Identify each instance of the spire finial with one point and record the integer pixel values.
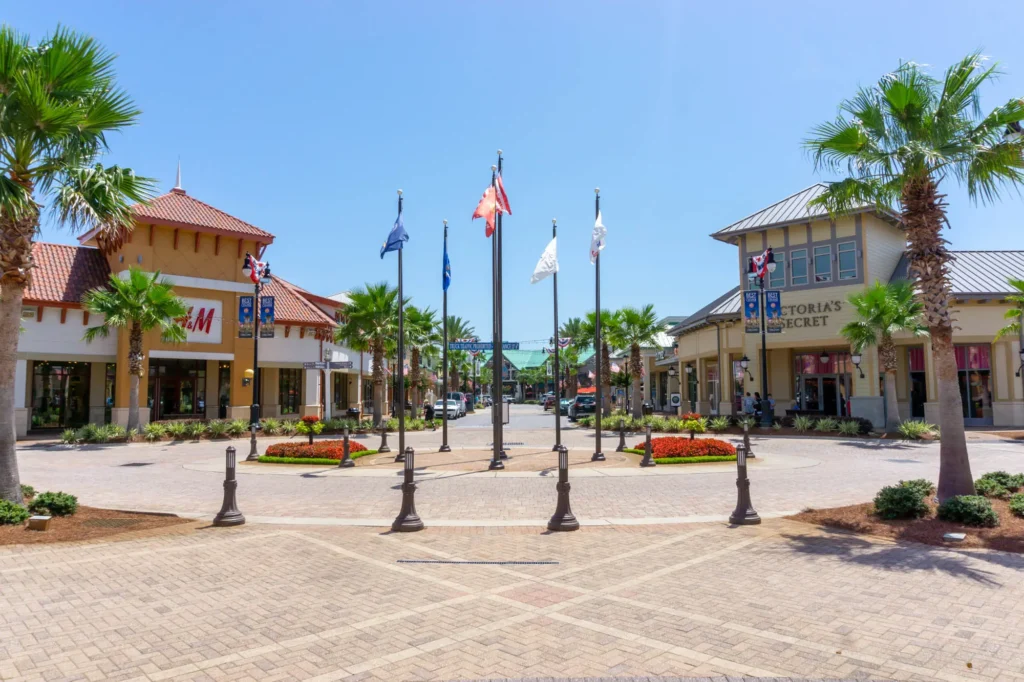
(177, 180)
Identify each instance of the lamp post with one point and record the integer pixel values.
(259, 273)
(689, 393)
(753, 274)
(672, 372)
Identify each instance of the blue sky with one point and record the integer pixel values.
(305, 117)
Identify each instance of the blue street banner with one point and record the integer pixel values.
(267, 317)
(751, 312)
(773, 311)
(481, 345)
(245, 317)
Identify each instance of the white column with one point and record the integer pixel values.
(311, 392)
(20, 392)
(329, 398)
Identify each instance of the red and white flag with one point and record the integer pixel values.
(590, 375)
(759, 264)
(503, 205)
(486, 208)
(255, 268)
(615, 368)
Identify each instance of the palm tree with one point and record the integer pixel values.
(881, 311)
(420, 332)
(604, 356)
(1014, 315)
(457, 359)
(58, 102)
(635, 328)
(138, 304)
(485, 376)
(897, 141)
(533, 376)
(570, 363)
(573, 329)
(371, 318)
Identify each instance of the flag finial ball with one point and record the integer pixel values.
(597, 190)
(554, 221)
(499, 152)
(445, 221)
(493, 168)
(399, 192)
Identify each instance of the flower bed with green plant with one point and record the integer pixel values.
(320, 452)
(47, 504)
(678, 450)
(696, 424)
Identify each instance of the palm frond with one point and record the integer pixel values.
(86, 198)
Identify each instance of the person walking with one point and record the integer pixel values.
(748, 404)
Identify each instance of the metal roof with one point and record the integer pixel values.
(725, 307)
(976, 273)
(792, 209)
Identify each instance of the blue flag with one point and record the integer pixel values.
(446, 276)
(396, 238)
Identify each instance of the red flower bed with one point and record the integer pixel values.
(689, 415)
(674, 446)
(324, 449)
(311, 419)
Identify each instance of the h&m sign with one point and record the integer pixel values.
(202, 321)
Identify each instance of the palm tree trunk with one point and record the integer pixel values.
(923, 217)
(134, 374)
(606, 380)
(378, 384)
(634, 367)
(887, 360)
(10, 323)
(414, 374)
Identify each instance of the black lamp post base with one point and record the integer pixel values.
(747, 517)
(648, 463)
(503, 455)
(445, 448)
(229, 514)
(563, 518)
(597, 457)
(555, 447)
(400, 457)
(253, 456)
(407, 521)
(383, 442)
(496, 465)
(232, 518)
(347, 463)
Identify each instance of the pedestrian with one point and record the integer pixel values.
(771, 404)
(748, 404)
(757, 403)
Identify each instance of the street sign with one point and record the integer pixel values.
(481, 345)
(319, 364)
(347, 364)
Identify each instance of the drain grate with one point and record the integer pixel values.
(506, 445)
(111, 523)
(478, 563)
(138, 464)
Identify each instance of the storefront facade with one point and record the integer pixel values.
(809, 364)
(64, 382)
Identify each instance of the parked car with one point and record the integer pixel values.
(548, 401)
(563, 406)
(486, 400)
(583, 404)
(452, 406)
(459, 397)
(508, 399)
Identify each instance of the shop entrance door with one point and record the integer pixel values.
(826, 394)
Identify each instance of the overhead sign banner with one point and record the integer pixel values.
(245, 317)
(481, 345)
(751, 312)
(316, 364)
(267, 317)
(773, 311)
(346, 364)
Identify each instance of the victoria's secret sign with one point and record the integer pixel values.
(809, 314)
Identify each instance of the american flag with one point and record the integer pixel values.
(759, 264)
(615, 368)
(564, 342)
(255, 268)
(503, 205)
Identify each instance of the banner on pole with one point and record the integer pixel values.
(245, 317)
(773, 311)
(267, 317)
(481, 345)
(751, 311)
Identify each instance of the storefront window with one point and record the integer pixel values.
(848, 260)
(798, 267)
(177, 388)
(60, 394)
(712, 387)
(973, 369)
(822, 387)
(367, 395)
(822, 263)
(223, 389)
(777, 279)
(341, 399)
(109, 387)
(918, 383)
(691, 389)
(289, 390)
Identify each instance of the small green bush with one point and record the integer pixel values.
(989, 487)
(586, 422)
(746, 422)
(69, 437)
(290, 427)
(719, 424)
(176, 430)
(849, 427)
(776, 426)
(673, 425)
(54, 504)
(826, 424)
(114, 432)
(271, 426)
(693, 426)
(802, 423)
(1012, 482)
(236, 427)
(970, 510)
(900, 502)
(12, 514)
(1017, 505)
(195, 430)
(217, 429)
(154, 431)
(923, 486)
(90, 433)
(916, 429)
(27, 491)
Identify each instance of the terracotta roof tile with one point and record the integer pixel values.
(64, 272)
(178, 208)
(290, 306)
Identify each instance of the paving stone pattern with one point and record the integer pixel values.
(327, 603)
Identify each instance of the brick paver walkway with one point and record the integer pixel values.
(319, 603)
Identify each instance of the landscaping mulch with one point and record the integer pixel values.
(89, 523)
(1008, 536)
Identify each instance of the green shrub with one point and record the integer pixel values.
(849, 427)
(154, 431)
(658, 424)
(923, 486)
(1017, 505)
(916, 429)
(586, 422)
(27, 491)
(236, 427)
(176, 430)
(391, 424)
(90, 433)
(719, 424)
(900, 502)
(217, 429)
(131, 435)
(746, 421)
(776, 426)
(54, 504)
(12, 514)
(826, 424)
(673, 425)
(195, 430)
(304, 428)
(114, 432)
(970, 510)
(989, 487)
(1012, 482)
(271, 426)
(289, 427)
(699, 425)
(69, 436)
(802, 423)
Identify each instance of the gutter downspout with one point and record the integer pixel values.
(721, 370)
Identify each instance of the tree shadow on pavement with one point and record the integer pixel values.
(903, 557)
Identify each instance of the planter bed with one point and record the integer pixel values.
(685, 460)
(323, 461)
(89, 523)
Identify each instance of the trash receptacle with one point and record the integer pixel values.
(353, 413)
(647, 409)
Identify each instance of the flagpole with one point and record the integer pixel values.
(501, 310)
(598, 456)
(558, 394)
(400, 398)
(444, 324)
(496, 356)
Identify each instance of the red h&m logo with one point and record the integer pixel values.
(202, 323)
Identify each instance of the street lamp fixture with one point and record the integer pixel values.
(756, 270)
(672, 372)
(259, 273)
(856, 357)
(689, 368)
(745, 363)
(823, 358)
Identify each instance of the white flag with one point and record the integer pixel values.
(548, 263)
(597, 241)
